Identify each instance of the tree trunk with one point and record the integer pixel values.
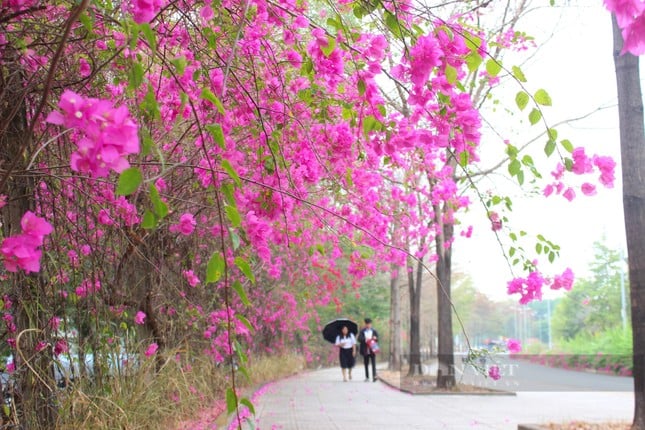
(414, 286)
(632, 149)
(395, 321)
(445, 350)
(35, 384)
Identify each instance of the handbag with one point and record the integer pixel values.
(373, 346)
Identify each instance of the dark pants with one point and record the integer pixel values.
(366, 360)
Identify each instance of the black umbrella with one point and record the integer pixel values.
(332, 328)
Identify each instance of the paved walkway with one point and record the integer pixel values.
(321, 401)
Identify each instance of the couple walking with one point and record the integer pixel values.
(367, 347)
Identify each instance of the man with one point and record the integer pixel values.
(366, 336)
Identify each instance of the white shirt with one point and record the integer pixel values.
(346, 342)
(368, 333)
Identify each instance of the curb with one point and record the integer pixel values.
(493, 392)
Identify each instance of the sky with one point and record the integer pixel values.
(574, 64)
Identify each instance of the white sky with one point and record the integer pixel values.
(576, 67)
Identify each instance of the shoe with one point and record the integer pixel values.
(374, 380)
(367, 379)
(344, 380)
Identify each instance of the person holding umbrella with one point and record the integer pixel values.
(342, 333)
(346, 343)
(368, 347)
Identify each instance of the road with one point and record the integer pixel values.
(320, 400)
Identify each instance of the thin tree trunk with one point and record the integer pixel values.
(632, 149)
(445, 350)
(414, 286)
(395, 321)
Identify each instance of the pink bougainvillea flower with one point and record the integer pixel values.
(192, 279)
(11, 367)
(151, 350)
(60, 347)
(588, 189)
(495, 221)
(139, 318)
(22, 251)
(107, 133)
(493, 373)
(186, 225)
(514, 346)
(565, 280)
(35, 227)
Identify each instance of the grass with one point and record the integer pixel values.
(178, 395)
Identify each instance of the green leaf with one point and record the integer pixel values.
(180, 64)
(473, 61)
(514, 167)
(464, 158)
(245, 268)
(149, 35)
(538, 248)
(361, 87)
(129, 181)
(549, 148)
(553, 133)
(511, 252)
(535, 116)
(331, 45)
(567, 145)
(542, 98)
(568, 164)
(235, 239)
(519, 75)
(245, 321)
(369, 123)
(451, 74)
(522, 99)
(87, 22)
(520, 177)
(229, 194)
(493, 67)
(215, 130)
(135, 76)
(239, 289)
(231, 400)
(215, 268)
(231, 172)
(146, 144)
(233, 215)
(160, 207)
(246, 402)
(149, 220)
(527, 160)
(551, 257)
(393, 24)
(150, 105)
(208, 95)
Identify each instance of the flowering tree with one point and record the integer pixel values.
(173, 167)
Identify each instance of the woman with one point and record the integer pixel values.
(347, 345)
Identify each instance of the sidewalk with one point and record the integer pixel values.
(320, 400)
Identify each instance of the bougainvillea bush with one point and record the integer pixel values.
(189, 174)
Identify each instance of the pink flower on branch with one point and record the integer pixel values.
(107, 133)
(151, 350)
(514, 346)
(139, 318)
(186, 225)
(22, 251)
(493, 373)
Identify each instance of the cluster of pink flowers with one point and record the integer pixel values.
(493, 373)
(186, 225)
(22, 251)
(630, 15)
(513, 345)
(582, 165)
(139, 318)
(18, 5)
(145, 10)
(530, 288)
(109, 134)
